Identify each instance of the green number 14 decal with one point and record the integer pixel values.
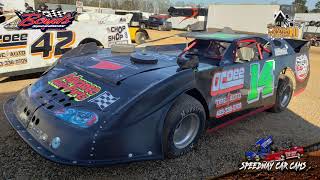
(261, 81)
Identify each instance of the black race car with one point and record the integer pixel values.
(97, 107)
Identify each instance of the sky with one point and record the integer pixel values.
(310, 3)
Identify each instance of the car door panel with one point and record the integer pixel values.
(239, 87)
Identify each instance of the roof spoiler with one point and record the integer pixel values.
(299, 46)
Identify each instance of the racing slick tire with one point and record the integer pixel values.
(184, 125)
(140, 37)
(284, 94)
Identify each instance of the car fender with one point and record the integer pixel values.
(148, 110)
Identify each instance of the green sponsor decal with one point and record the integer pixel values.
(261, 81)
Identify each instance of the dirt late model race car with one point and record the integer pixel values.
(98, 107)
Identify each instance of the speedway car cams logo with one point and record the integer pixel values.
(44, 20)
(265, 156)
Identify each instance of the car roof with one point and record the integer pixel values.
(220, 36)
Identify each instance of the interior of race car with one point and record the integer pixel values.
(252, 49)
(212, 50)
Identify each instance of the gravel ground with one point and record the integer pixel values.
(218, 153)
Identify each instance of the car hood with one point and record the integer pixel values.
(115, 68)
(94, 86)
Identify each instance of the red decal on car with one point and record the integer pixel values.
(107, 65)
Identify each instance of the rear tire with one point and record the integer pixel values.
(284, 94)
(98, 43)
(184, 125)
(140, 38)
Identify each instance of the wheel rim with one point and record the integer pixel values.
(186, 131)
(285, 96)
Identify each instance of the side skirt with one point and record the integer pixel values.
(215, 126)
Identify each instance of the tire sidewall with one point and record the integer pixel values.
(287, 84)
(172, 121)
(285, 81)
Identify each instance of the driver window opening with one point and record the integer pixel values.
(211, 51)
(251, 49)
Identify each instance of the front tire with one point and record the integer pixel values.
(284, 94)
(184, 125)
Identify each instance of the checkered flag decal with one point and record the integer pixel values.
(104, 100)
(52, 13)
(49, 13)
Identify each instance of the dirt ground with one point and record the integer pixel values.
(218, 153)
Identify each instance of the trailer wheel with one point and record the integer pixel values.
(284, 94)
(140, 38)
(184, 125)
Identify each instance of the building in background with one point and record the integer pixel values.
(251, 18)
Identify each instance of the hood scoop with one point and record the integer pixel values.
(143, 58)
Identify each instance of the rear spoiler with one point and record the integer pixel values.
(299, 46)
